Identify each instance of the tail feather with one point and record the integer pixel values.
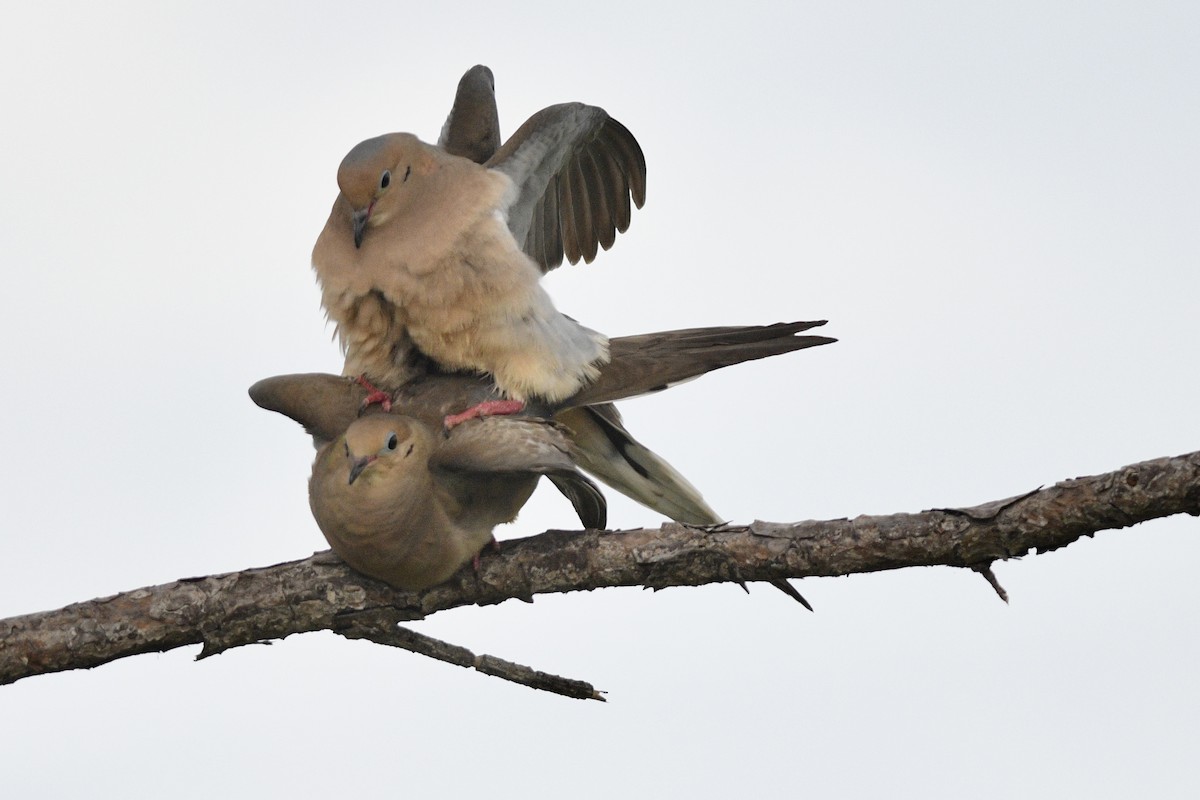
(607, 450)
(655, 361)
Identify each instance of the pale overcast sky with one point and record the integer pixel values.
(996, 205)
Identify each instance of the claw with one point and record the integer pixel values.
(488, 408)
(375, 396)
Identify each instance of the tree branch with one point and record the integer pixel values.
(322, 593)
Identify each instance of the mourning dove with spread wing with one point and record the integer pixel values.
(328, 407)
(594, 207)
(427, 253)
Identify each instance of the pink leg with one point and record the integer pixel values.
(488, 408)
(376, 395)
(495, 544)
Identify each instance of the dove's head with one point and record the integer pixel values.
(374, 175)
(385, 447)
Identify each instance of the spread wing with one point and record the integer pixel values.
(578, 173)
(324, 404)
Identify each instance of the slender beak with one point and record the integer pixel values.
(358, 465)
(360, 224)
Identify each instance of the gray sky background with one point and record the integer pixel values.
(995, 206)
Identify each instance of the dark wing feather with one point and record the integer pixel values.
(582, 168)
(585, 496)
(473, 128)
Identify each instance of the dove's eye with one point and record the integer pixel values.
(392, 443)
(385, 179)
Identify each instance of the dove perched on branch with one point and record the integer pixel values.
(432, 484)
(401, 502)
(427, 253)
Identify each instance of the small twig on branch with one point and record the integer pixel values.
(383, 631)
(990, 577)
(321, 593)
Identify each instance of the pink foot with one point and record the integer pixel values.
(488, 408)
(376, 395)
(495, 545)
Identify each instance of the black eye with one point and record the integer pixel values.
(392, 442)
(385, 179)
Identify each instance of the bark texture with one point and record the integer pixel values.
(322, 593)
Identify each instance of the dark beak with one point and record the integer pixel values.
(358, 465)
(360, 224)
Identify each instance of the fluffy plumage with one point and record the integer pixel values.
(428, 251)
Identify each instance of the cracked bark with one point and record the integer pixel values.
(322, 593)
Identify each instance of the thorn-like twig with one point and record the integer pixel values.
(792, 592)
(990, 577)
